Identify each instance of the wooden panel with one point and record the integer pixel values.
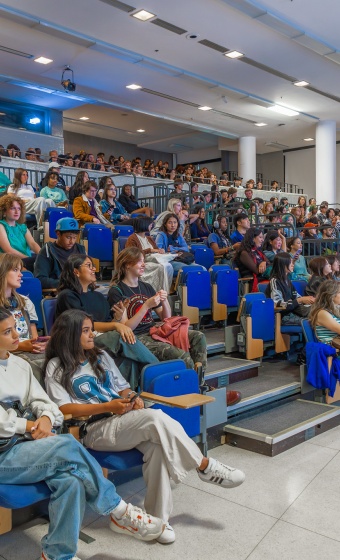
(219, 310)
(183, 401)
(282, 341)
(5, 520)
(254, 346)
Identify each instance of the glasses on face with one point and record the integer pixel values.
(90, 266)
(92, 191)
(112, 189)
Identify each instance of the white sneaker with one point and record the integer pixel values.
(138, 524)
(221, 475)
(44, 557)
(168, 536)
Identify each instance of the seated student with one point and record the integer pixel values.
(158, 274)
(76, 291)
(274, 243)
(247, 201)
(129, 202)
(53, 255)
(26, 192)
(140, 299)
(199, 229)
(249, 258)
(241, 224)
(77, 188)
(311, 248)
(300, 272)
(52, 192)
(329, 245)
(324, 315)
(167, 450)
(112, 208)
(15, 238)
(321, 271)
(86, 209)
(334, 261)
(178, 191)
(73, 476)
(174, 207)
(218, 240)
(281, 290)
(170, 240)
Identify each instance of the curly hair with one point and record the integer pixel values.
(248, 243)
(6, 202)
(324, 300)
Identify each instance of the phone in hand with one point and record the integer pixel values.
(134, 397)
(43, 338)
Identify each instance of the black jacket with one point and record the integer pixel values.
(47, 266)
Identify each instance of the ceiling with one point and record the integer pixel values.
(177, 58)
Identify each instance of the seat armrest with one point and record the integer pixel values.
(182, 401)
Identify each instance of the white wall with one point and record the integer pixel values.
(300, 170)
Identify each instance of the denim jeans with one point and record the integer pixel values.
(73, 477)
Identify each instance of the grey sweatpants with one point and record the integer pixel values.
(168, 451)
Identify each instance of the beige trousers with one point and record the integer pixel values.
(168, 451)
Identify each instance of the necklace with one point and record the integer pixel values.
(2, 361)
(141, 300)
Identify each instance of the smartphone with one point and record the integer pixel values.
(43, 338)
(134, 397)
(297, 254)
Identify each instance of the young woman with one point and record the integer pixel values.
(52, 192)
(174, 207)
(281, 290)
(76, 291)
(274, 243)
(218, 240)
(15, 238)
(199, 229)
(321, 271)
(170, 240)
(129, 202)
(157, 273)
(324, 315)
(300, 272)
(73, 476)
(302, 202)
(77, 188)
(112, 208)
(168, 451)
(86, 209)
(334, 261)
(311, 248)
(140, 299)
(249, 258)
(26, 192)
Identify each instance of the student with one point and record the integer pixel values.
(129, 202)
(273, 244)
(170, 240)
(218, 240)
(324, 315)
(321, 271)
(112, 208)
(52, 192)
(167, 450)
(174, 207)
(300, 272)
(26, 192)
(249, 258)
(199, 229)
(86, 209)
(140, 299)
(241, 224)
(334, 261)
(73, 476)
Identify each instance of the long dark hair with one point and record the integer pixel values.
(68, 280)
(271, 235)
(281, 263)
(201, 222)
(317, 265)
(142, 224)
(165, 221)
(247, 243)
(68, 327)
(131, 197)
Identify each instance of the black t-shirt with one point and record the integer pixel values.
(136, 296)
(93, 303)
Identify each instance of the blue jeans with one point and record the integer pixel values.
(73, 477)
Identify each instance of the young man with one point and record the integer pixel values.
(247, 202)
(54, 254)
(241, 224)
(178, 191)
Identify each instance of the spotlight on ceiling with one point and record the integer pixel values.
(308, 139)
(301, 83)
(205, 108)
(143, 15)
(133, 86)
(43, 60)
(283, 110)
(260, 124)
(233, 54)
(67, 79)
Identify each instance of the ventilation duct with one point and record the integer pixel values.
(17, 53)
(168, 26)
(119, 5)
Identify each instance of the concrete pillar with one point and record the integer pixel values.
(247, 158)
(325, 161)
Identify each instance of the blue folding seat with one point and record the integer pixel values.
(48, 309)
(31, 287)
(122, 230)
(52, 215)
(194, 288)
(225, 291)
(203, 255)
(300, 286)
(258, 322)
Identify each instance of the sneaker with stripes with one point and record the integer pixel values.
(221, 475)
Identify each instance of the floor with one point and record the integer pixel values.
(288, 508)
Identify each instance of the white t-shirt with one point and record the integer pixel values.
(20, 321)
(25, 191)
(145, 243)
(86, 387)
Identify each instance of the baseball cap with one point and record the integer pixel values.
(67, 224)
(53, 164)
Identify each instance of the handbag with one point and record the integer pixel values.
(335, 342)
(185, 257)
(22, 412)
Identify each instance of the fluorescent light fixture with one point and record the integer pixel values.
(43, 60)
(143, 15)
(205, 108)
(84, 118)
(2, 114)
(283, 110)
(35, 120)
(140, 130)
(260, 124)
(134, 86)
(233, 54)
(308, 139)
(302, 83)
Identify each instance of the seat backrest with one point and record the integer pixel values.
(121, 243)
(100, 244)
(48, 308)
(27, 274)
(203, 255)
(250, 299)
(308, 331)
(262, 286)
(31, 287)
(123, 230)
(199, 289)
(54, 217)
(227, 287)
(263, 319)
(300, 286)
(215, 268)
(151, 371)
(186, 269)
(87, 227)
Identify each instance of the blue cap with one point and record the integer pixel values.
(67, 224)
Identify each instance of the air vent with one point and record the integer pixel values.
(229, 115)
(17, 53)
(119, 5)
(213, 46)
(276, 145)
(168, 26)
(325, 94)
(267, 69)
(169, 97)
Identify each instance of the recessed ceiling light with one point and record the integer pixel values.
(233, 54)
(205, 108)
(283, 110)
(2, 114)
(84, 118)
(308, 139)
(140, 130)
(143, 15)
(260, 124)
(134, 86)
(43, 60)
(302, 83)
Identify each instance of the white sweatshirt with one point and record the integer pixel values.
(17, 383)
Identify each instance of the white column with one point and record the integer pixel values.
(247, 158)
(325, 161)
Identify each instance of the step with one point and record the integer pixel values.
(281, 427)
(223, 370)
(215, 340)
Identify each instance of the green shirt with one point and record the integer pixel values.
(16, 237)
(56, 194)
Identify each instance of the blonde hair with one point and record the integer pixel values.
(172, 202)
(324, 300)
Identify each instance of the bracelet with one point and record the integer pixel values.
(130, 393)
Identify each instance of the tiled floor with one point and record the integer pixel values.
(288, 508)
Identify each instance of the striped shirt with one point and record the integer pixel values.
(325, 335)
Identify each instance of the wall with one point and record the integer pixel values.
(300, 169)
(272, 167)
(75, 142)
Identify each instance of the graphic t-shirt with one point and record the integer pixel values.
(20, 321)
(133, 300)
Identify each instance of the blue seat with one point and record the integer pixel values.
(262, 286)
(48, 309)
(300, 286)
(27, 274)
(308, 331)
(52, 215)
(122, 230)
(100, 244)
(194, 288)
(203, 255)
(259, 324)
(225, 291)
(31, 287)
(118, 246)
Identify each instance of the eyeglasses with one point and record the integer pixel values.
(88, 265)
